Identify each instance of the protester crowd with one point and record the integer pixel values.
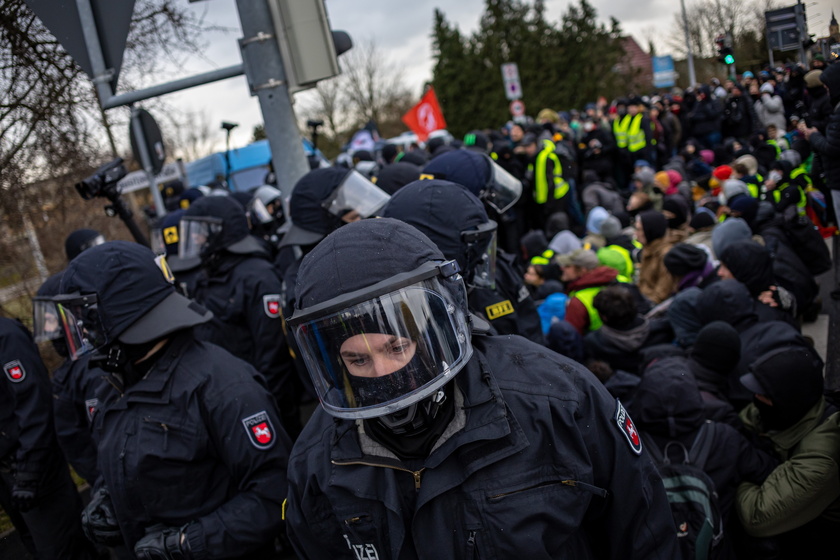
(650, 257)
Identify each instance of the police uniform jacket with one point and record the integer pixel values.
(197, 440)
(26, 418)
(244, 294)
(538, 466)
(509, 308)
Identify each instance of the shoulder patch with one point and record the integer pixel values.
(628, 428)
(260, 430)
(523, 293)
(91, 405)
(499, 309)
(14, 371)
(271, 306)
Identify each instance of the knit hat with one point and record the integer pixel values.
(610, 227)
(732, 187)
(595, 218)
(654, 225)
(767, 87)
(722, 172)
(717, 347)
(730, 231)
(564, 242)
(751, 264)
(683, 258)
(662, 180)
(645, 176)
(746, 206)
(702, 219)
(812, 79)
(679, 212)
(674, 177)
(708, 156)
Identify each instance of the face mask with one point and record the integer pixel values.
(775, 176)
(588, 127)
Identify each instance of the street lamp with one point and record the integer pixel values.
(228, 126)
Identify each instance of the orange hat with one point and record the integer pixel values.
(661, 178)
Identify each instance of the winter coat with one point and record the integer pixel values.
(655, 282)
(536, 466)
(828, 146)
(577, 313)
(620, 347)
(771, 110)
(800, 500)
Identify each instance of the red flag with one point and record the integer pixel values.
(425, 117)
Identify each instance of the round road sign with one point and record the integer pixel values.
(517, 108)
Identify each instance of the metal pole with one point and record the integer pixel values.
(267, 80)
(102, 76)
(692, 77)
(802, 28)
(146, 162)
(132, 97)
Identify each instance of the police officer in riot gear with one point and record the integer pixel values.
(435, 439)
(166, 238)
(191, 451)
(239, 285)
(36, 490)
(456, 221)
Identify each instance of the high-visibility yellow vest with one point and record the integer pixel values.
(620, 127)
(803, 200)
(543, 258)
(561, 187)
(635, 135)
(586, 297)
(755, 188)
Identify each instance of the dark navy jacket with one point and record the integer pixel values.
(539, 469)
(187, 444)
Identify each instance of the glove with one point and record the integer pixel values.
(99, 522)
(25, 490)
(163, 543)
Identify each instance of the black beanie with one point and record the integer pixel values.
(654, 225)
(717, 347)
(702, 220)
(683, 258)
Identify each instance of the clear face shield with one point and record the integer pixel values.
(355, 196)
(258, 214)
(45, 319)
(376, 356)
(481, 245)
(196, 233)
(502, 190)
(76, 318)
(156, 241)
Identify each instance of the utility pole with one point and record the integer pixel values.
(692, 77)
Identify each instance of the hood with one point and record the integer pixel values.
(598, 276)
(309, 193)
(750, 264)
(565, 242)
(728, 301)
(595, 218)
(667, 401)
(730, 231)
(397, 175)
(628, 340)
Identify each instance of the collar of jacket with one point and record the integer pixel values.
(786, 440)
(491, 434)
(155, 386)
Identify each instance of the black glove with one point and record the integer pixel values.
(163, 543)
(99, 522)
(25, 490)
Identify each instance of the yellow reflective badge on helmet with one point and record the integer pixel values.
(499, 309)
(426, 177)
(170, 235)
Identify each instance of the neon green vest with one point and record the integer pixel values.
(561, 187)
(620, 126)
(635, 134)
(586, 297)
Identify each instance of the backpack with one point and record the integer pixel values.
(691, 493)
(806, 240)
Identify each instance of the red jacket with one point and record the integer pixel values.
(576, 313)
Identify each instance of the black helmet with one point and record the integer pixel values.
(213, 224)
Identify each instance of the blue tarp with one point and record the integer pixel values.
(248, 166)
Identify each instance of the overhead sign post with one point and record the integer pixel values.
(510, 75)
(785, 29)
(663, 71)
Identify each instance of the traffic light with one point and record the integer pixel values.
(727, 56)
(724, 47)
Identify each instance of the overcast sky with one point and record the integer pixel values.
(403, 29)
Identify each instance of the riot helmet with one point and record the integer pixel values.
(480, 174)
(381, 322)
(455, 220)
(212, 225)
(81, 240)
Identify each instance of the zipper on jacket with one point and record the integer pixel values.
(574, 483)
(472, 549)
(418, 475)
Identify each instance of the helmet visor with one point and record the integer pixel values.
(81, 324)
(45, 319)
(257, 212)
(196, 233)
(156, 241)
(503, 189)
(382, 355)
(356, 194)
(481, 246)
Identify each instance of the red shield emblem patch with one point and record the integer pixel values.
(628, 428)
(91, 405)
(272, 307)
(14, 371)
(260, 430)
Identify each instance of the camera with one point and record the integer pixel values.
(103, 182)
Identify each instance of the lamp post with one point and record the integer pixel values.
(228, 126)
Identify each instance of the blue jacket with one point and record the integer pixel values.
(535, 466)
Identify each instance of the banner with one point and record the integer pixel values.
(425, 117)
